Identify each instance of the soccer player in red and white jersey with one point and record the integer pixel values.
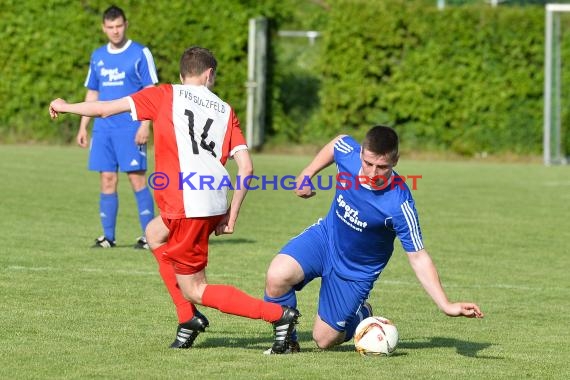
(194, 134)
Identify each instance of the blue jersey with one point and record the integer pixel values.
(119, 73)
(362, 223)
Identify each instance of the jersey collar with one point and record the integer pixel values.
(118, 51)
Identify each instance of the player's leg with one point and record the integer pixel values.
(326, 337)
(283, 274)
(231, 300)
(132, 160)
(226, 298)
(188, 251)
(102, 159)
(342, 305)
(190, 321)
(109, 204)
(157, 235)
(145, 204)
(302, 260)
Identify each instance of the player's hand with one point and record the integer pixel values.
(82, 138)
(142, 134)
(225, 226)
(304, 187)
(464, 309)
(56, 107)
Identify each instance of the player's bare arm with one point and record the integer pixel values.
(426, 273)
(82, 137)
(92, 109)
(144, 130)
(245, 169)
(323, 159)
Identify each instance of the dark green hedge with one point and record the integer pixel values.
(467, 79)
(45, 47)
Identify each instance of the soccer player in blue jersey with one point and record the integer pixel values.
(351, 245)
(118, 69)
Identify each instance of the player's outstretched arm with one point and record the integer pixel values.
(426, 273)
(323, 159)
(245, 169)
(93, 109)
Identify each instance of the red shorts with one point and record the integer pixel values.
(187, 244)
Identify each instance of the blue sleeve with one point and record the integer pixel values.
(146, 68)
(407, 226)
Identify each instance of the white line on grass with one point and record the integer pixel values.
(492, 286)
(89, 270)
(557, 183)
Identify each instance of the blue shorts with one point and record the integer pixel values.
(113, 151)
(339, 299)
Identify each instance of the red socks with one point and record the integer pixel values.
(225, 298)
(230, 300)
(184, 308)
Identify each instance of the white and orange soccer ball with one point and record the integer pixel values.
(376, 336)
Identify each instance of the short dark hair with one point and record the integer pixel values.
(195, 60)
(383, 141)
(113, 13)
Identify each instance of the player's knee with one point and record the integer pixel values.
(324, 342)
(138, 180)
(325, 336)
(271, 281)
(282, 275)
(156, 233)
(276, 284)
(108, 182)
(192, 295)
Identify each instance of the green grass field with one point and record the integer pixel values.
(498, 233)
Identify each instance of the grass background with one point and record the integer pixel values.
(498, 233)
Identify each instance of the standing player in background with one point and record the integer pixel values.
(117, 69)
(195, 133)
(351, 246)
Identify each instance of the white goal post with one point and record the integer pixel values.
(552, 139)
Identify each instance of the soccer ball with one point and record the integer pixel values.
(375, 336)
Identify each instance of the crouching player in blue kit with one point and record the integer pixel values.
(351, 246)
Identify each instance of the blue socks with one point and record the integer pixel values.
(145, 206)
(108, 208)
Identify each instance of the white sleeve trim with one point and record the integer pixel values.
(86, 83)
(342, 146)
(151, 66)
(412, 226)
(237, 149)
(133, 108)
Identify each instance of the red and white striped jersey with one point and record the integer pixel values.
(194, 134)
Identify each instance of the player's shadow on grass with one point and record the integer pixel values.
(216, 241)
(228, 240)
(464, 348)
